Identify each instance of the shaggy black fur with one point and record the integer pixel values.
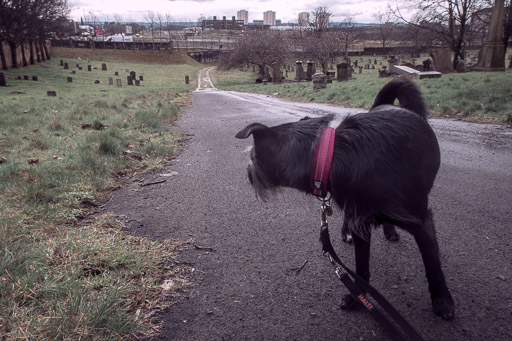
(384, 165)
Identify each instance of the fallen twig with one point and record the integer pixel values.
(153, 183)
(297, 270)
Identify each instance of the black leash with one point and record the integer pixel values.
(358, 286)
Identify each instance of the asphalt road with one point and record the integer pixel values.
(245, 284)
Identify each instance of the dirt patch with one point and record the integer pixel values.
(136, 56)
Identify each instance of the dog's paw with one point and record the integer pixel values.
(444, 308)
(349, 302)
(346, 237)
(391, 234)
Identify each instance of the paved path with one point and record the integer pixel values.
(246, 286)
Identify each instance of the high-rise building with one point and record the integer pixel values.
(269, 18)
(243, 15)
(303, 19)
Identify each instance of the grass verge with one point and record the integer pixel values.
(59, 157)
(471, 96)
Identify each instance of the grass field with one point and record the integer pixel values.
(61, 156)
(471, 96)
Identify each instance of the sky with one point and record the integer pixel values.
(362, 11)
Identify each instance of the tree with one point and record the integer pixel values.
(150, 19)
(347, 34)
(386, 26)
(260, 48)
(320, 19)
(448, 19)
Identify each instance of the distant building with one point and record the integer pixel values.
(303, 19)
(243, 15)
(269, 18)
(223, 24)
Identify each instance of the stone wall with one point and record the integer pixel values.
(8, 57)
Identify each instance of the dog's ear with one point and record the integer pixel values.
(305, 118)
(255, 128)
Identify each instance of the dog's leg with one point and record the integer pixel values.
(345, 233)
(362, 254)
(442, 302)
(390, 233)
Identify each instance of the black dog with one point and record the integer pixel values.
(384, 165)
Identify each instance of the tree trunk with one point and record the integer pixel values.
(45, 48)
(31, 43)
(23, 56)
(14, 54)
(43, 54)
(38, 53)
(2, 56)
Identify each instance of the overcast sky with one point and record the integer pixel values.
(362, 11)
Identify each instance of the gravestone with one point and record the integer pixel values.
(110, 80)
(342, 69)
(187, 79)
(25, 77)
(392, 61)
(129, 80)
(427, 65)
(309, 72)
(77, 65)
(34, 78)
(103, 67)
(73, 72)
(116, 73)
(276, 74)
(133, 74)
(141, 78)
(137, 82)
(355, 62)
(441, 58)
(80, 68)
(96, 81)
(89, 68)
(61, 62)
(460, 65)
(51, 93)
(360, 69)
(2, 79)
(298, 72)
(70, 79)
(66, 66)
(118, 82)
(319, 81)
(492, 53)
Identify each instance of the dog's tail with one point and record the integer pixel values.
(407, 93)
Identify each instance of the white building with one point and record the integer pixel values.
(269, 18)
(243, 15)
(303, 19)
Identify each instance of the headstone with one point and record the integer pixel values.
(133, 74)
(70, 79)
(187, 79)
(51, 93)
(61, 62)
(276, 74)
(25, 77)
(116, 73)
(137, 82)
(342, 69)
(392, 61)
(104, 67)
(2, 79)
(492, 53)
(298, 72)
(309, 72)
(96, 81)
(110, 80)
(141, 78)
(73, 72)
(118, 82)
(89, 68)
(319, 81)
(77, 65)
(129, 80)
(460, 65)
(80, 68)
(441, 58)
(66, 66)
(360, 69)
(34, 78)
(427, 65)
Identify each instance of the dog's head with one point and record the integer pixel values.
(282, 155)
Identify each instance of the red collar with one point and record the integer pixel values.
(324, 150)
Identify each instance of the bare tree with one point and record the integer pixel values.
(386, 26)
(260, 48)
(448, 19)
(150, 19)
(320, 19)
(347, 34)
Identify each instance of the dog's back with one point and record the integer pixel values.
(408, 94)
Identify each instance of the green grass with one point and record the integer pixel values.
(471, 96)
(62, 155)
